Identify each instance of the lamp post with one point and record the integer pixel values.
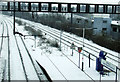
(83, 49)
(60, 38)
(119, 69)
(59, 22)
(79, 50)
(119, 54)
(83, 44)
(14, 19)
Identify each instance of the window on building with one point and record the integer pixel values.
(114, 29)
(104, 21)
(78, 21)
(101, 8)
(86, 21)
(104, 29)
(82, 8)
(119, 30)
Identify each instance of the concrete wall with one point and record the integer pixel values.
(99, 24)
(80, 20)
(115, 35)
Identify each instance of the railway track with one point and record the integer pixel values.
(21, 62)
(68, 43)
(51, 34)
(88, 46)
(5, 51)
(27, 61)
(8, 53)
(54, 35)
(5, 45)
(51, 61)
(111, 57)
(26, 77)
(57, 38)
(2, 60)
(1, 36)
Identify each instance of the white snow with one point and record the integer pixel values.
(116, 23)
(59, 65)
(2, 67)
(46, 28)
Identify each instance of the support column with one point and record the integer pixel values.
(119, 59)
(119, 70)
(14, 20)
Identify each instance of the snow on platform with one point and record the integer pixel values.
(57, 65)
(62, 63)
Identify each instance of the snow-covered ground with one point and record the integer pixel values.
(16, 68)
(74, 39)
(60, 65)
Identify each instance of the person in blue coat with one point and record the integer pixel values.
(102, 55)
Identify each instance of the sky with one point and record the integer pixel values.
(75, 1)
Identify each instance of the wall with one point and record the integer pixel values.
(99, 24)
(115, 35)
(83, 21)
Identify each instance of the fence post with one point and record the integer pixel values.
(89, 60)
(100, 77)
(72, 51)
(35, 40)
(116, 74)
(79, 61)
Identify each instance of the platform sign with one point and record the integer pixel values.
(79, 49)
(108, 65)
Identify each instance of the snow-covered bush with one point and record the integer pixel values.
(53, 43)
(19, 22)
(33, 31)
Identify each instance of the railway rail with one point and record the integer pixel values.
(56, 35)
(28, 8)
(96, 49)
(20, 54)
(8, 53)
(3, 54)
(70, 39)
(2, 37)
(52, 61)
(67, 39)
(22, 57)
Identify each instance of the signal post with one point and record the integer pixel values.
(79, 51)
